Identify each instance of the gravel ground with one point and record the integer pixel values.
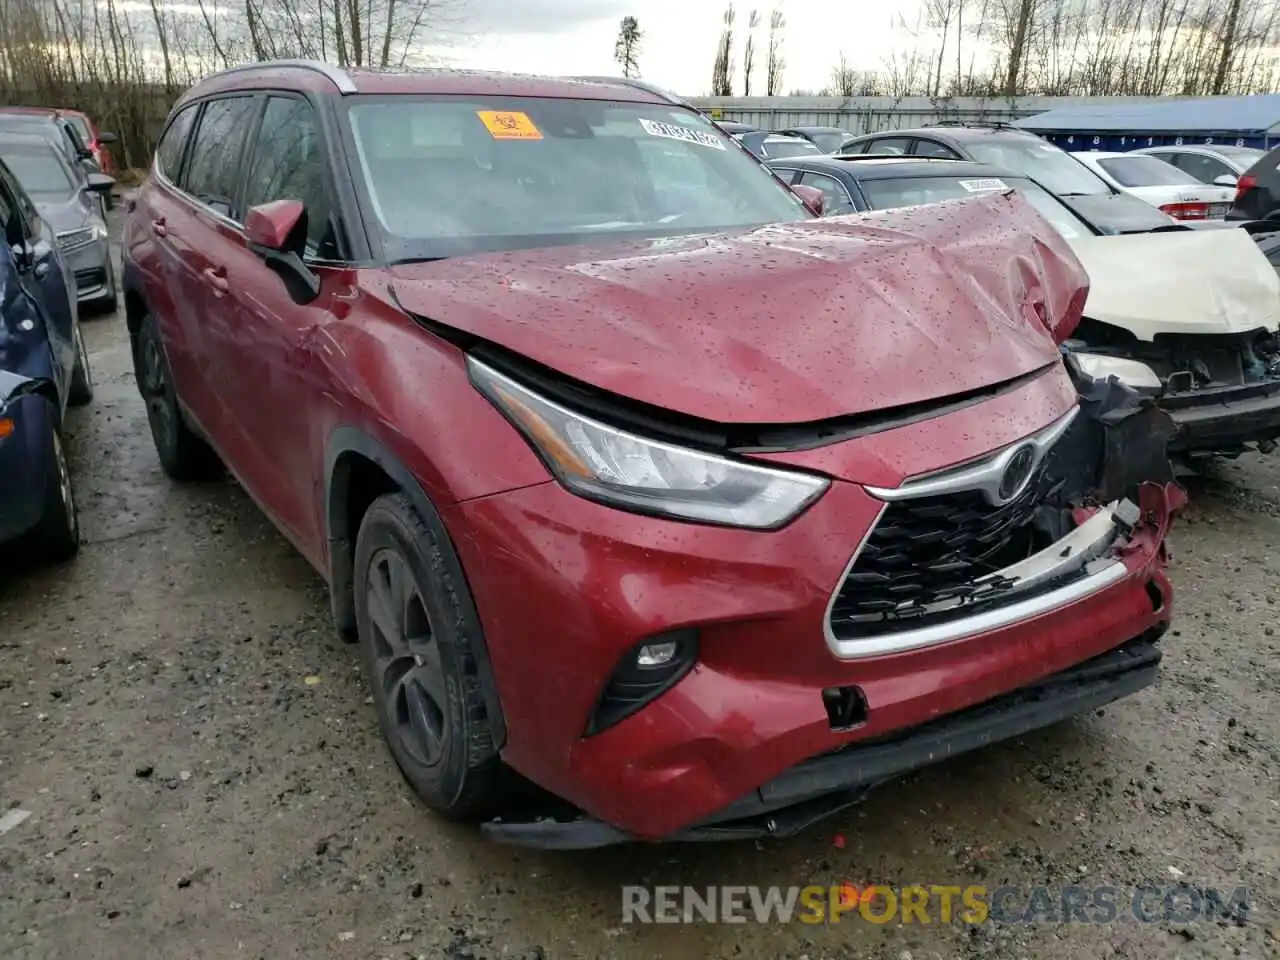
(204, 776)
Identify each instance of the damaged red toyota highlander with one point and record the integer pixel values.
(627, 473)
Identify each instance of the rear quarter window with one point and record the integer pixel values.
(169, 150)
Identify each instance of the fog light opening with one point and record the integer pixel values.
(846, 707)
(657, 654)
(645, 672)
(1155, 595)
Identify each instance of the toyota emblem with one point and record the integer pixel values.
(1016, 473)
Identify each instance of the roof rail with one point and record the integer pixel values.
(992, 124)
(336, 75)
(638, 85)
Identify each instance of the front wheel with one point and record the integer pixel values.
(420, 661)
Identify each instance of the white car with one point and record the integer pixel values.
(1160, 184)
(1219, 165)
(1189, 317)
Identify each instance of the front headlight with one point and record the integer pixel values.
(1132, 373)
(621, 469)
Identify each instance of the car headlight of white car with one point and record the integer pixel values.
(1132, 373)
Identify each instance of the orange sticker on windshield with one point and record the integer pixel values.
(509, 125)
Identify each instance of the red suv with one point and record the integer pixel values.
(626, 472)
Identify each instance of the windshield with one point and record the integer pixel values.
(775, 148)
(1144, 171)
(915, 191)
(40, 172)
(447, 176)
(1044, 163)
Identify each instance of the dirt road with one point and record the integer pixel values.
(204, 779)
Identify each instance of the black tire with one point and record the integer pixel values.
(81, 391)
(56, 537)
(183, 453)
(419, 657)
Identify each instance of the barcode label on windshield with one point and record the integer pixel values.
(983, 185)
(673, 131)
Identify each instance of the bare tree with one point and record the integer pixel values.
(722, 71)
(777, 63)
(123, 61)
(749, 52)
(627, 49)
(940, 14)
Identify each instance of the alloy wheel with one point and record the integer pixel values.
(155, 392)
(407, 663)
(65, 492)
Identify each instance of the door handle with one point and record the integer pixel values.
(41, 269)
(217, 277)
(158, 225)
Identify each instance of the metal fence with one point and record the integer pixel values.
(872, 114)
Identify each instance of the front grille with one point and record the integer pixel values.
(90, 277)
(928, 556)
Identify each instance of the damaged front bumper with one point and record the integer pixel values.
(1069, 628)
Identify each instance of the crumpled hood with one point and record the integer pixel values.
(1192, 281)
(786, 323)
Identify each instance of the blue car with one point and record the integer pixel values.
(44, 369)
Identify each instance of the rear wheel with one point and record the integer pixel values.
(183, 454)
(82, 376)
(56, 537)
(420, 659)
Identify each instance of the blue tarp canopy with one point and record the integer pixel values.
(1248, 121)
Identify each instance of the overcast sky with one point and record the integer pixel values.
(577, 36)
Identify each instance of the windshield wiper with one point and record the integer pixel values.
(407, 260)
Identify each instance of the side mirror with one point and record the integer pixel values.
(1226, 180)
(105, 137)
(100, 183)
(814, 200)
(277, 232)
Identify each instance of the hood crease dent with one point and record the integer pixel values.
(785, 323)
(1212, 281)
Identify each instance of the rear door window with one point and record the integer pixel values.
(894, 145)
(932, 148)
(213, 171)
(169, 152)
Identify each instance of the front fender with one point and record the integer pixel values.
(346, 446)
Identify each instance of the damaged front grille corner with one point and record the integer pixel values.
(1033, 527)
